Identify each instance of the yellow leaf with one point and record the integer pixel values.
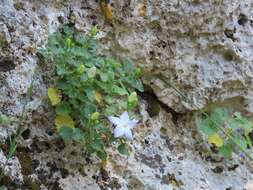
(106, 9)
(103, 164)
(142, 10)
(98, 97)
(65, 121)
(215, 139)
(54, 96)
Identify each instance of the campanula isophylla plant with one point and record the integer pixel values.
(89, 91)
(237, 127)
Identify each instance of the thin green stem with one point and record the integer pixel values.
(166, 81)
(13, 142)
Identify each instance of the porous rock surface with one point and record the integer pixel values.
(204, 48)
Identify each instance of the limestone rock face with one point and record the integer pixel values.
(204, 48)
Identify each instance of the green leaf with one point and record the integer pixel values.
(138, 72)
(233, 124)
(98, 97)
(238, 115)
(109, 99)
(91, 95)
(242, 122)
(68, 42)
(111, 75)
(63, 84)
(4, 120)
(132, 98)
(84, 77)
(61, 70)
(220, 115)
(134, 83)
(78, 51)
(92, 72)
(122, 148)
(78, 135)
(104, 77)
(119, 91)
(66, 133)
(12, 147)
(63, 108)
(138, 85)
(93, 31)
(111, 110)
(30, 89)
(3, 188)
(88, 110)
(97, 146)
(226, 151)
(95, 116)
(128, 67)
(102, 155)
(249, 142)
(122, 104)
(241, 141)
(207, 127)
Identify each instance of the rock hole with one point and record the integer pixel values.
(228, 55)
(251, 136)
(218, 169)
(26, 134)
(59, 143)
(35, 164)
(230, 34)
(49, 132)
(6, 64)
(104, 175)
(146, 141)
(64, 172)
(251, 23)
(60, 19)
(73, 153)
(242, 20)
(233, 167)
(19, 6)
(34, 146)
(25, 160)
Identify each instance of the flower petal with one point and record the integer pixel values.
(119, 131)
(115, 120)
(133, 123)
(124, 117)
(128, 134)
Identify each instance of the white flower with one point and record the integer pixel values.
(123, 125)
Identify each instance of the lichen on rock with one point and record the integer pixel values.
(204, 48)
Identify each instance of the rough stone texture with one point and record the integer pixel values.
(11, 167)
(203, 47)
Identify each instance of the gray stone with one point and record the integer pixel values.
(203, 48)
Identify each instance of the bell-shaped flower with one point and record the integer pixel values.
(123, 125)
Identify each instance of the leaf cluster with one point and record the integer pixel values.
(88, 88)
(4, 120)
(236, 127)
